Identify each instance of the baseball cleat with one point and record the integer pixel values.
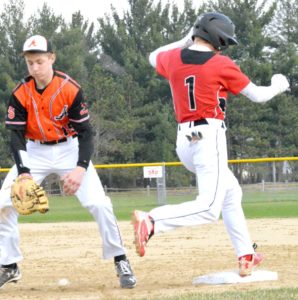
(125, 274)
(9, 275)
(248, 262)
(143, 230)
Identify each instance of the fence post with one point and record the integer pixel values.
(273, 172)
(161, 187)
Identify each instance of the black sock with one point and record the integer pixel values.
(119, 257)
(11, 266)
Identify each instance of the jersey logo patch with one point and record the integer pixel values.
(63, 114)
(84, 109)
(11, 113)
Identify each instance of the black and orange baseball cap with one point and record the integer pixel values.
(37, 44)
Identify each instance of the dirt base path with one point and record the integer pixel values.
(173, 259)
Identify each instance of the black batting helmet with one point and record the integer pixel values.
(215, 28)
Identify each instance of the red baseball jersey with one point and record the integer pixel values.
(200, 82)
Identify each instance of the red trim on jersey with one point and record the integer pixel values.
(198, 88)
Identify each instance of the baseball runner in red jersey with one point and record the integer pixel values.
(50, 133)
(200, 78)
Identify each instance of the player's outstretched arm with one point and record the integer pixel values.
(279, 84)
(185, 42)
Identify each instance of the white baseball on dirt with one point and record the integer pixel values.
(63, 282)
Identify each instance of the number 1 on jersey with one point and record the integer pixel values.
(190, 82)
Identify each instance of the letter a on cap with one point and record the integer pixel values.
(37, 43)
(32, 44)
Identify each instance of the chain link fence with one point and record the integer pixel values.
(273, 180)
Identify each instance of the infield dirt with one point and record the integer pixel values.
(73, 251)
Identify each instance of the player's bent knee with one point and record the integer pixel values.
(214, 216)
(100, 206)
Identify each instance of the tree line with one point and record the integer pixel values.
(131, 106)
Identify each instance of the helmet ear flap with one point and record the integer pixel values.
(196, 28)
(222, 42)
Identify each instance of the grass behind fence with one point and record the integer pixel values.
(255, 204)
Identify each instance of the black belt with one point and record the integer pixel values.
(53, 142)
(196, 123)
(200, 122)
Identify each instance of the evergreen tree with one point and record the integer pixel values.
(128, 40)
(284, 56)
(131, 105)
(12, 34)
(45, 22)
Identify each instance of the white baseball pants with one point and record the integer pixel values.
(60, 159)
(219, 190)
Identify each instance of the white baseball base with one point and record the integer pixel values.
(232, 276)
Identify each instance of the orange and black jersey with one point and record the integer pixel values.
(56, 112)
(47, 115)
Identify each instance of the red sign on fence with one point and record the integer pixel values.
(152, 172)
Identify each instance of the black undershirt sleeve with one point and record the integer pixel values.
(85, 137)
(18, 143)
(79, 120)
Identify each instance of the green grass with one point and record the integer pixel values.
(62, 209)
(255, 204)
(274, 209)
(270, 195)
(264, 294)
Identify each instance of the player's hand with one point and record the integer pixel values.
(72, 180)
(25, 176)
(280, 83)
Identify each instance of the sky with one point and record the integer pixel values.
(90, 9)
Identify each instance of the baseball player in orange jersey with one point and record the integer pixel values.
(200, 78)
(47, 110)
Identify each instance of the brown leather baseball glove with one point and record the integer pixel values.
(27, 196)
